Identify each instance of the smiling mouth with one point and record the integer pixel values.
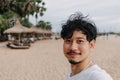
(73, 54)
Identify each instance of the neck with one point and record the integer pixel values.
(77, 68)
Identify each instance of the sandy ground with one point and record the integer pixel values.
(45, 60)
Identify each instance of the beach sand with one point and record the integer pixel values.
(45, 60)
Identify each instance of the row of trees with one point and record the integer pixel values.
(10, 10)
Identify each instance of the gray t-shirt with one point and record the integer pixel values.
(92, 73)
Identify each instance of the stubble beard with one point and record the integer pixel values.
(74, 62)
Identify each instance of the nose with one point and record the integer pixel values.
(74, 46)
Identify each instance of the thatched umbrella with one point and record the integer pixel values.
(34, 29)
(36, 32)
(18, 29)
(47, 31)
(40, 30)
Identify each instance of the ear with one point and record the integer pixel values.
(92, 44)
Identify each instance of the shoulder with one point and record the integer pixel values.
(99, 74)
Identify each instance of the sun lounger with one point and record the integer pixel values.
(17, 47)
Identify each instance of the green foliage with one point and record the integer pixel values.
(1, 19)
(4, 6)
(1, 22)
(48, 25)
(41, 24)
(8, 15)
(23, 7)
(26, 23)
(44, 25)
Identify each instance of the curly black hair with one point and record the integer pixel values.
(78, 22)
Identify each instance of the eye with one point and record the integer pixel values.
(80, 41)
(68, 41)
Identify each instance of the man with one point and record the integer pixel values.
(79, 35)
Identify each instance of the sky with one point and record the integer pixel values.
(105, 13)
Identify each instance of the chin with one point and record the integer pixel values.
(74, 62)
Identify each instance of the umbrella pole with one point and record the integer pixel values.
(19, 39)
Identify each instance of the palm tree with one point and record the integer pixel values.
(39, 9)
(41, 24)
(44, 25)
(23, 7)
(48, 26)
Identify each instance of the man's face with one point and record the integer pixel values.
(77, 48)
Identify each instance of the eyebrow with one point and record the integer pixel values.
(80, 38)
(77, 38)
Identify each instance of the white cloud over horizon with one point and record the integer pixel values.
(105, 13)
